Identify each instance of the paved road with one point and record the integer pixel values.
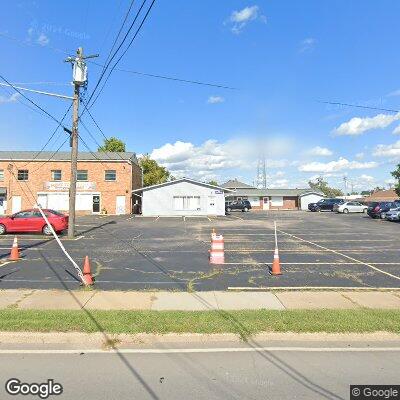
(276, 373)
(127, 253)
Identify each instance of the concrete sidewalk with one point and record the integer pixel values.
(198, 301)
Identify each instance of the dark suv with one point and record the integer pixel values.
(324, 205)
(378, 209)
(241, 205)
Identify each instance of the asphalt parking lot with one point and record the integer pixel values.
(136, 253)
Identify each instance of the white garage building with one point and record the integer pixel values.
(308, 198)
(182, 197)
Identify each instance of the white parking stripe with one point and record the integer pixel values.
(341, 254)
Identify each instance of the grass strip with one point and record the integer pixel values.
(245, 323)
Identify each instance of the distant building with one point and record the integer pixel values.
(381, 195)
(271, 199)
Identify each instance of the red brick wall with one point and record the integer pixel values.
(128, 177)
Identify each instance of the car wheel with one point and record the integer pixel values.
(2, 229)
(383, 215)
(318, 209)
(345, 211)
(365, 211)
(245, 209)
(46, 230)
(228, 209)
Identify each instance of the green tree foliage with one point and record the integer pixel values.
(112, 144)
(321, 185)
(153, 173)
(396, 175)
(212, 182)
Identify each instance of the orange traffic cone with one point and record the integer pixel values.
(276, 266)
(14, 256)
(87, 276)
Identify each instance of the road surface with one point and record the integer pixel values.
(277, 371)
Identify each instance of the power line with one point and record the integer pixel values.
(49, 139)
(127, 48)
(115, 53)
(31, 101)
(358, 106)
(170, 78)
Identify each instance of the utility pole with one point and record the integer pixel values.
(79, 76)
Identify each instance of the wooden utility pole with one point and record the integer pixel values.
(74, 163)
(79, 79)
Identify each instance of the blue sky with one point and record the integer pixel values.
(283, 56)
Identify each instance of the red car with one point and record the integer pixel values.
(32, 221)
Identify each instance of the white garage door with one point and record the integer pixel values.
(84, 202)
(56, 201)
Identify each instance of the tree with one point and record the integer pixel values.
(321, 185)
(212, 182)
(396, 175)
(112, 144)
(153, 173)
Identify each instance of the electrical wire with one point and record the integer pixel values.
(50, 138)
(358, 106)
(127, 48)
(170, 78)
(32, 102)
(115, 53)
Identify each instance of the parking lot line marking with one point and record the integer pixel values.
(157, 219)
(343, 255)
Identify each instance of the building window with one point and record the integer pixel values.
(276, 201)
(82, 175)
(1, 175)
(110, 175)
(56, 175)
(23, 174)
(186, 203)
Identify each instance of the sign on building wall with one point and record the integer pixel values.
(64, 186)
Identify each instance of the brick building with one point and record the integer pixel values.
(105, 181)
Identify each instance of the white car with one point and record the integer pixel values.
(351, 207)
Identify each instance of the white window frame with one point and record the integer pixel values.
(80, 171)
(187, 204)
(1, 175)
(53, 171)
(276, 201)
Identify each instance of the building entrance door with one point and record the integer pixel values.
(265, 203)
(3, 205)
(120, 205)
(96, 204)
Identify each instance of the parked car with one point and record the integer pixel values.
(324, 205)
(241, 205)
(32, 221)
(393, 215)
(350, 207)
(379, 209)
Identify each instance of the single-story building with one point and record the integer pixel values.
(182, 197)
(381, 195)
(271, 199)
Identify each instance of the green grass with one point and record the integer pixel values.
(244, 323)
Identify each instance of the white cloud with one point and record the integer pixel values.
(320, 151)
(279, 183)
(211, 158)
(43, 40)
(215, 99)
(360, 155)
(367, 178)
(239, 19)
(394, 93)
(333, 166)
(307, 45)
(396, 131)
(357, 126)
(387, 150)
(10, 99)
